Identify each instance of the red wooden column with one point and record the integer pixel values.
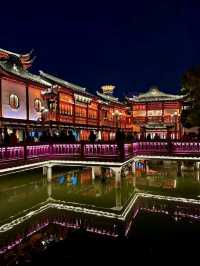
(58, 108)
(162, 112)
(179, 120)
(0, 96)
(74, 111)
(27, 102)
(99, 115)
(1, 137)
(87, 114)
(27, 117)
(114, 120)
(146, 107)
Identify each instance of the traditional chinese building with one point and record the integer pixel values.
(20, 94)
(156, 112)
(32, 103)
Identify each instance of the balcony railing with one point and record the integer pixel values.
(155, 119)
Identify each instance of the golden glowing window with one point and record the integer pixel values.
(38, 105)
(14, 101)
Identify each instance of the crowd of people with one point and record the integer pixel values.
(68, 137)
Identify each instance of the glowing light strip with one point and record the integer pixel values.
(23, 167)
(177, 214)
(131, 222)
(169, 198)
(68, 225)
(162, 157)
(58, 162)
(84, 210)
(10, 225)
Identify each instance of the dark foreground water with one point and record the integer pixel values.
(69, 218)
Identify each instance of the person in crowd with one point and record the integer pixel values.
(156, 137)
(142, 136)
(13, 138)
(92, 137)
(118, 135)
(6, 137)
(44, 137)
(27, 137)
(135, 136)
(55, 137)
(149, 137)
(36, 137)
(123, 135)
(168, 136)
(71, 137)
(63, 136)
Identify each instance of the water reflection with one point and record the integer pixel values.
(94, 186)
(180, 179)
(108, 190)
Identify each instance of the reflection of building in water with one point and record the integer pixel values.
(107, 172)
(156, 181)
(85, 176)
(169, 183)
(118, 197)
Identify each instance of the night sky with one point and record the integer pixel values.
(133, 46)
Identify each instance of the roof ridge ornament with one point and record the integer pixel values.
(154, 90)
(108, 89)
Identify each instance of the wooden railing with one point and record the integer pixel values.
(155, 119)
(172, 148)
(73, 151)
(97, 151)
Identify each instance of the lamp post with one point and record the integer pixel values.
(174, 118)
(116, 114)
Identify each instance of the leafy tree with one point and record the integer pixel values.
(191, 88)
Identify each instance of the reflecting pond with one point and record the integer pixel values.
(92, 189)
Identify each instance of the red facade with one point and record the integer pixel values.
(46, 102)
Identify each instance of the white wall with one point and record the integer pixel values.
(10, 87)
(34, 93)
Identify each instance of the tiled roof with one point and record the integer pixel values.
(17, 71)
(108, 98)
(64, 83)
(154, 94)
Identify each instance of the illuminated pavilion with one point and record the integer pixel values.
(156, 112)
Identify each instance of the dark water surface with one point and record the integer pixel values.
(153, 229)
